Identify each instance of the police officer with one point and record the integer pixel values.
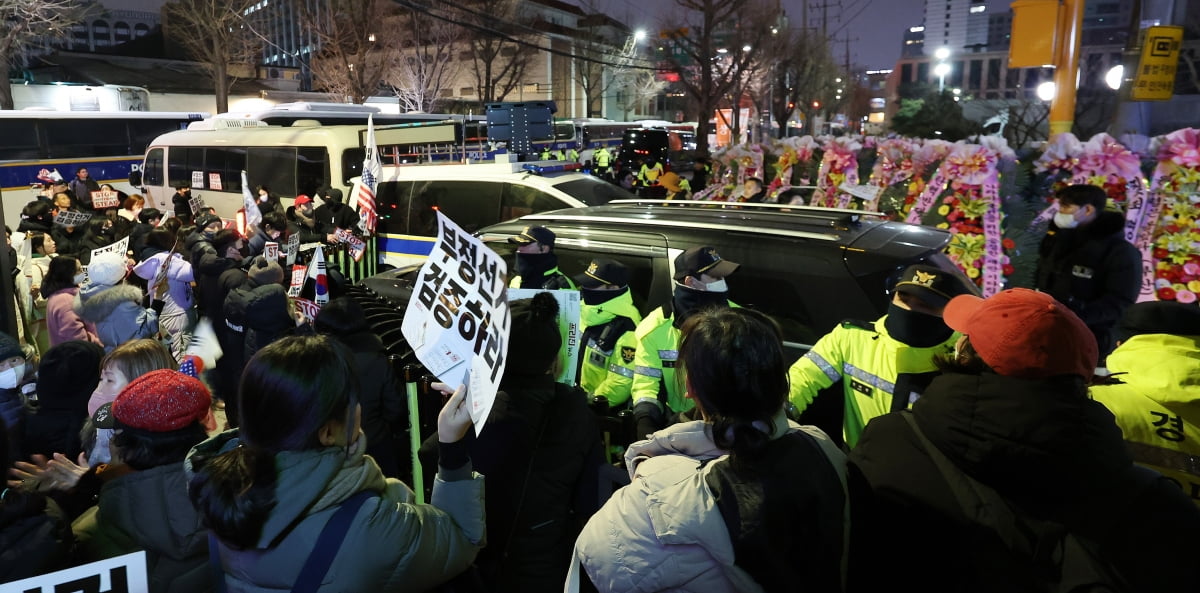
(545, 154)
(537, 264)
(648, 175)
(572, 155)
(885, 365)
(1155, 388)
(603, 160)
(607, 321)
(699, 283)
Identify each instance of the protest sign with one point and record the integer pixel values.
(122, 574)
(308, 308)
(214, 182)
(293, 248)
(197, 179)
(870, 193)
(568, 327)
(458, 319)
(271, 250)
(105, 199)
(119, 248)
(356, 245)
(299, 274)
(196, 203)
(70, 218)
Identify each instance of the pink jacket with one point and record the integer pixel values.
(63, 323)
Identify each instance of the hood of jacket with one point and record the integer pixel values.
(619, 306)
(1037, 440)
(306, 482)
(1164, 367)
(95, 302)
(152, 507)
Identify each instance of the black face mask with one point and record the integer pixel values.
(596, 296)
(245, 251)
(919, 330)
(532, 268)
(688, 301)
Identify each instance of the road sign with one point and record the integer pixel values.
(1155, 76)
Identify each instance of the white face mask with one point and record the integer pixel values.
(80, 278)
(718, 286)
(10, 377)
(1065, 221)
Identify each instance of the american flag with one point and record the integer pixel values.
(365, 193)
(250, 204)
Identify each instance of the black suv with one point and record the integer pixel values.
(808, 268)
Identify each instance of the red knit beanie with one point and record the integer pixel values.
(162, 401)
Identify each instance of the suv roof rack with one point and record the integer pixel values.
(836, 217)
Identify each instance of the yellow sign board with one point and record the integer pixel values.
(1155, 76)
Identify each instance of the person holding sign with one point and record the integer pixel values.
(739, 500)
(268, 490)
(607, 319)
(82, 187)
(172, 285)
(699, 284)
(113, 306)
(271, 229)
(182, 201)
(537, 264)
(540, 450)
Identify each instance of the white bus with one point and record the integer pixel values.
(39, 145)
(80, 97)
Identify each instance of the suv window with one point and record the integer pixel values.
(471, 204)
(518, 200)
(592, 191)
(573, 261)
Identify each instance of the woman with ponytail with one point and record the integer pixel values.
(267, 489)
(742, 500)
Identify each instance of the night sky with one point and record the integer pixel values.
(878, 26)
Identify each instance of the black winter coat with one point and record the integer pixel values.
(35, 537)
(384, 407)
(1043, 446)
(262, 313)
(1094, 271)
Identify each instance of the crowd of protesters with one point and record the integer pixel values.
(980, 449)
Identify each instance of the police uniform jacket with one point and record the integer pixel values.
(1094, 271)
(655, 359)
(870, 364)
(552, 280)
(1157, 404)
(1045, 448)
(609, 347)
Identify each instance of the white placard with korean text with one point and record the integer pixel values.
(197, 179)
(196, 204)
(568, 327)
(120, 248)
(122, 574)
(70, 218)
(293, 248)
(457, 320)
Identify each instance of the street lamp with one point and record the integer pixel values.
(1115, 75)
(1046, 91)
(943, 67)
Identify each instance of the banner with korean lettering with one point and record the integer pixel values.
(457, 321)
(120, 247)
(121, 574)
(568, 327)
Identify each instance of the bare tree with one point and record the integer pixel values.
(635, 88)
(498, 61)
(216, 35)
(425, 61)
(601, 57)
(709, 46)
(804, 78)
(358, 42)
(26, 22)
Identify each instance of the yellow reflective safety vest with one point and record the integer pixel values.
(601, 157)
(649, 175)
(610, 347)
(869, 363)
(655, 360)
(1157, 405)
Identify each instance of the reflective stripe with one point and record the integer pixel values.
(823, 365)
(620, 370)
(868, 378)
(648, 372)
(668, 354)
(1164, 457)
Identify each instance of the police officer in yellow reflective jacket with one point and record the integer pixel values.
(601, 157)
(885, 365)
(607, 321)
(537, 264)
(699, 283)
(1154, 389)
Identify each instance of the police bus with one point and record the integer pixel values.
(39, 146)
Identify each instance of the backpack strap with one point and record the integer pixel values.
(319, 560)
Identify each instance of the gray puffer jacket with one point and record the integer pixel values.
(117, 313)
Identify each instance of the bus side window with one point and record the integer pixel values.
(312, 169)
(228, 163)
(152, 172)
(20, 140)
(181, 162)
(274, 167)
